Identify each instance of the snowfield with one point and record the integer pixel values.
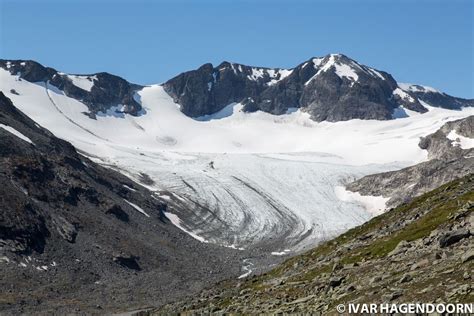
(241, 179)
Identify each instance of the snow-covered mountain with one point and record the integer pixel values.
(330, 88)
(245, 157)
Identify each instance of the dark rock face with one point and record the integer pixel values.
(208, 89)
(66, 227)
(453, 237)
(130, 262)
(118, 213)
(448, 161)
(331, 88)
(108, 92)
(330, 97)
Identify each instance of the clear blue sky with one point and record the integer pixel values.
(426, 42)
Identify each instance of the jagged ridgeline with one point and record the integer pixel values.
(330, 88)
(421, 251)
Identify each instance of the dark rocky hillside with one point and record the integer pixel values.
(71, 239)
(447, 161)
(421, 251)
(330, 88)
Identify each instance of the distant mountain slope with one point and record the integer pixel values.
(330, 88)
(100, 92)
(419, 252)
(450, 153)
(75, 236)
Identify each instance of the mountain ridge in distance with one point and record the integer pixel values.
(330, 88)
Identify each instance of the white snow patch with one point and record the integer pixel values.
(164, 197)
(233, 247)
(176, 221)
(275, 75)
(138, 208)
(461, 141)
(84, 82)
(373, 204)
(225, 112)
(403, 95)
(376, 73)
(278, 75)
(343, 70)
(16, 133)
(247, 267)
(257, 73)
(317, 61)
(417, 88)
(128, 188)
(281, 253)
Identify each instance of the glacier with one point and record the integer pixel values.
(240, 180)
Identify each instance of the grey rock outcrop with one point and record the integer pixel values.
(447, 161)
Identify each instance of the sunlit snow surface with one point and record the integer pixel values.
(243, 179)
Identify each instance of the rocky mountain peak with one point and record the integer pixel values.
(330, 88)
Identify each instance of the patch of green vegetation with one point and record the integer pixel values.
(313, 273)
(225, 302)
(420, 228)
